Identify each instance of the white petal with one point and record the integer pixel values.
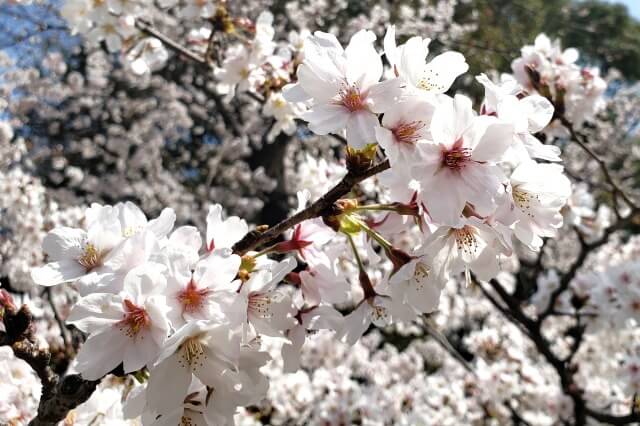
(168, 385)
(64, 243)
(442, 71)
(326, 118)
(539, 112)
(101, 353)
(54, 273)
(163, 224)
(492, 145)
(361, 129)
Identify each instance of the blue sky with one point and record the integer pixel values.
(632, 5)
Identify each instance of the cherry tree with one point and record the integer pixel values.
(445, 263)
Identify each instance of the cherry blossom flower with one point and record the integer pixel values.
(260, 306)
(128, 328)
(459, 167)
(201, 348)
(75, 253)
(343, 85)
(469, 246)
(408, 62)
(197, 295)
(538, 192)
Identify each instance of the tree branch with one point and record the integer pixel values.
(149, 29)
(601, 163)
(255, 238)
(59, 395)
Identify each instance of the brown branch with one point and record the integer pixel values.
(149, 29)
(59, 395)
(321, 206)
(563, 368)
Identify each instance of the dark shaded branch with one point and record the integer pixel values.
(255, 238)
(563, 368)
(59, 395)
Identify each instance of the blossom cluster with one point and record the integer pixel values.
(190, 314)
(546, 69)
(206, 328)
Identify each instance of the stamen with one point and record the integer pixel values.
(523, 199)
(192, 353)
(135, 319)
(429, 82)
(456, 157)
(260, 304)
(192, 298)
(421, 272)
(91, 257)
(350, 97)
(407, 133)
(466, 240)
(379, 313)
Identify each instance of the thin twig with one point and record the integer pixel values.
(601, 163)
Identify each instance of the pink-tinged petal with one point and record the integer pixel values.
(486, 266)
(323, 317)
(327, 118)
(383, 96)
(64, 243)
(390, 47)
(320, 83)
(216, 271)
(223, 233)
(168, 384)
(385, 138)
(295, 93)
(539, 112)
(54, 273)
(443, 197)
(131, 217)
(210, 372)
(361, 127)
(186, 236)
(316, 231)
(482, 187)
(144, 280)
(323, 41)
(494, 142)
(463, 115)
(363, 63)
(509, 109)
(310, 288)
(443, 123)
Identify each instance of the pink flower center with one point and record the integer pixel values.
(351, 98)
(457, 157)
(135, 319)
(192, 298)
(408, 133)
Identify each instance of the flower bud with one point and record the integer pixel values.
(360, 160)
